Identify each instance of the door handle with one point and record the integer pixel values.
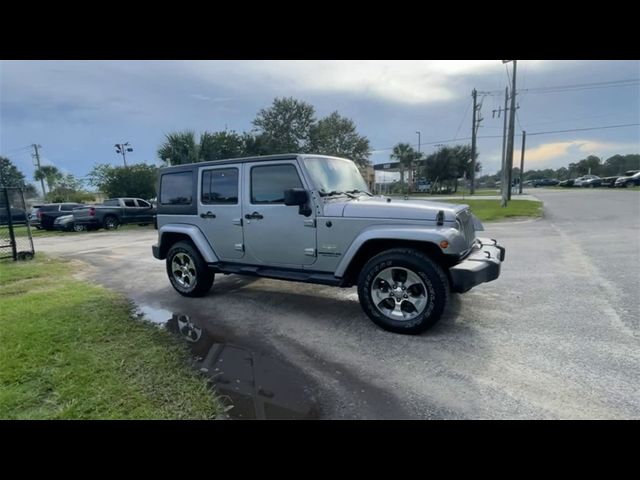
(254, 215)
(207, 215)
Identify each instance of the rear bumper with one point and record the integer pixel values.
(481, 266)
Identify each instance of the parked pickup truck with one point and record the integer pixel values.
(115, 212)
(311, 218)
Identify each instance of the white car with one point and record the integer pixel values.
(578, 181)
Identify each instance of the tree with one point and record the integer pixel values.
(286, 125)
(450, 163)
(138, 180)
(618, 164)
(50, 174)
(406, 155)
(69, 189)
(220, 145)
(10, 176)
(337, 136)
(179, 148)
(255, 145)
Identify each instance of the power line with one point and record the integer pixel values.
(589, 128)
(463, 118)
(16, 149)
(573, 87)
(517, 134)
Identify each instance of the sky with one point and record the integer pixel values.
(77, 110)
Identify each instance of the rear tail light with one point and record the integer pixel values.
(92, 211)
(39, 215)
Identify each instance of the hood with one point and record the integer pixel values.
(385, 207)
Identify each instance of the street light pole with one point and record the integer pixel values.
(122, 148)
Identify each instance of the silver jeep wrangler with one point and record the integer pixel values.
(311, 218)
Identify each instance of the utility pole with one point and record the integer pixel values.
(36, 155)
(503, 175)
(474, 94)
(418, 159)
(512, 120)
(524, 139)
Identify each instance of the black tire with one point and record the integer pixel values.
(110, 222)
(78, 228)
(202, 276)
(432, 275)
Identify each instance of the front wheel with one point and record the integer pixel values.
(188, 272)
(403, 290)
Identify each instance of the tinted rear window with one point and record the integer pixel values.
(50, 208)
(176, 188)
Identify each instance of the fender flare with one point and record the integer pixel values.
(195, 234)
(434, 235)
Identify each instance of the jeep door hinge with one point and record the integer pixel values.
(311, 252)
(310, 223)
(239, 247)
(237, 221)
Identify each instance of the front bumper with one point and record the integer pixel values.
(480, 266)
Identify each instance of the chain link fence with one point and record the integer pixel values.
(15, 231)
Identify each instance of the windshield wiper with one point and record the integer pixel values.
(335, 192)
(359, 191)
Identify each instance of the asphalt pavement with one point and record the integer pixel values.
(556, 336)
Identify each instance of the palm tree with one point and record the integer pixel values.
(179, 148)
(406, 155)
(49, 174)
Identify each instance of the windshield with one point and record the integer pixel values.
(335, 175)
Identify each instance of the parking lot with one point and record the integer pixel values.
(556, 336)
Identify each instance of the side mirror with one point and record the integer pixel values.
(300, 197)
(295, 196)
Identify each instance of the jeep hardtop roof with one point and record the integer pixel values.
(262, 158)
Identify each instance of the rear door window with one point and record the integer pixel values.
(220, 187)
(129, 202)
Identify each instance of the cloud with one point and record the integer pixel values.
(400, 81)
(548, 152)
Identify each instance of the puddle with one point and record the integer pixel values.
(255, 385)
(155, 315)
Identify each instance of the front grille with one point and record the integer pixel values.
(465, 220)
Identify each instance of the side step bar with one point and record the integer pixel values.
(278, 274)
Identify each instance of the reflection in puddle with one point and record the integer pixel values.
(155, 315)
(255, 385)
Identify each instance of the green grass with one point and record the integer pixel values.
(490, 210)
(71, 350)
(460, 192)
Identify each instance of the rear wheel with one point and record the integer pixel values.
(403, 290)
(188, 272)
(79, 228)
(111, 222)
